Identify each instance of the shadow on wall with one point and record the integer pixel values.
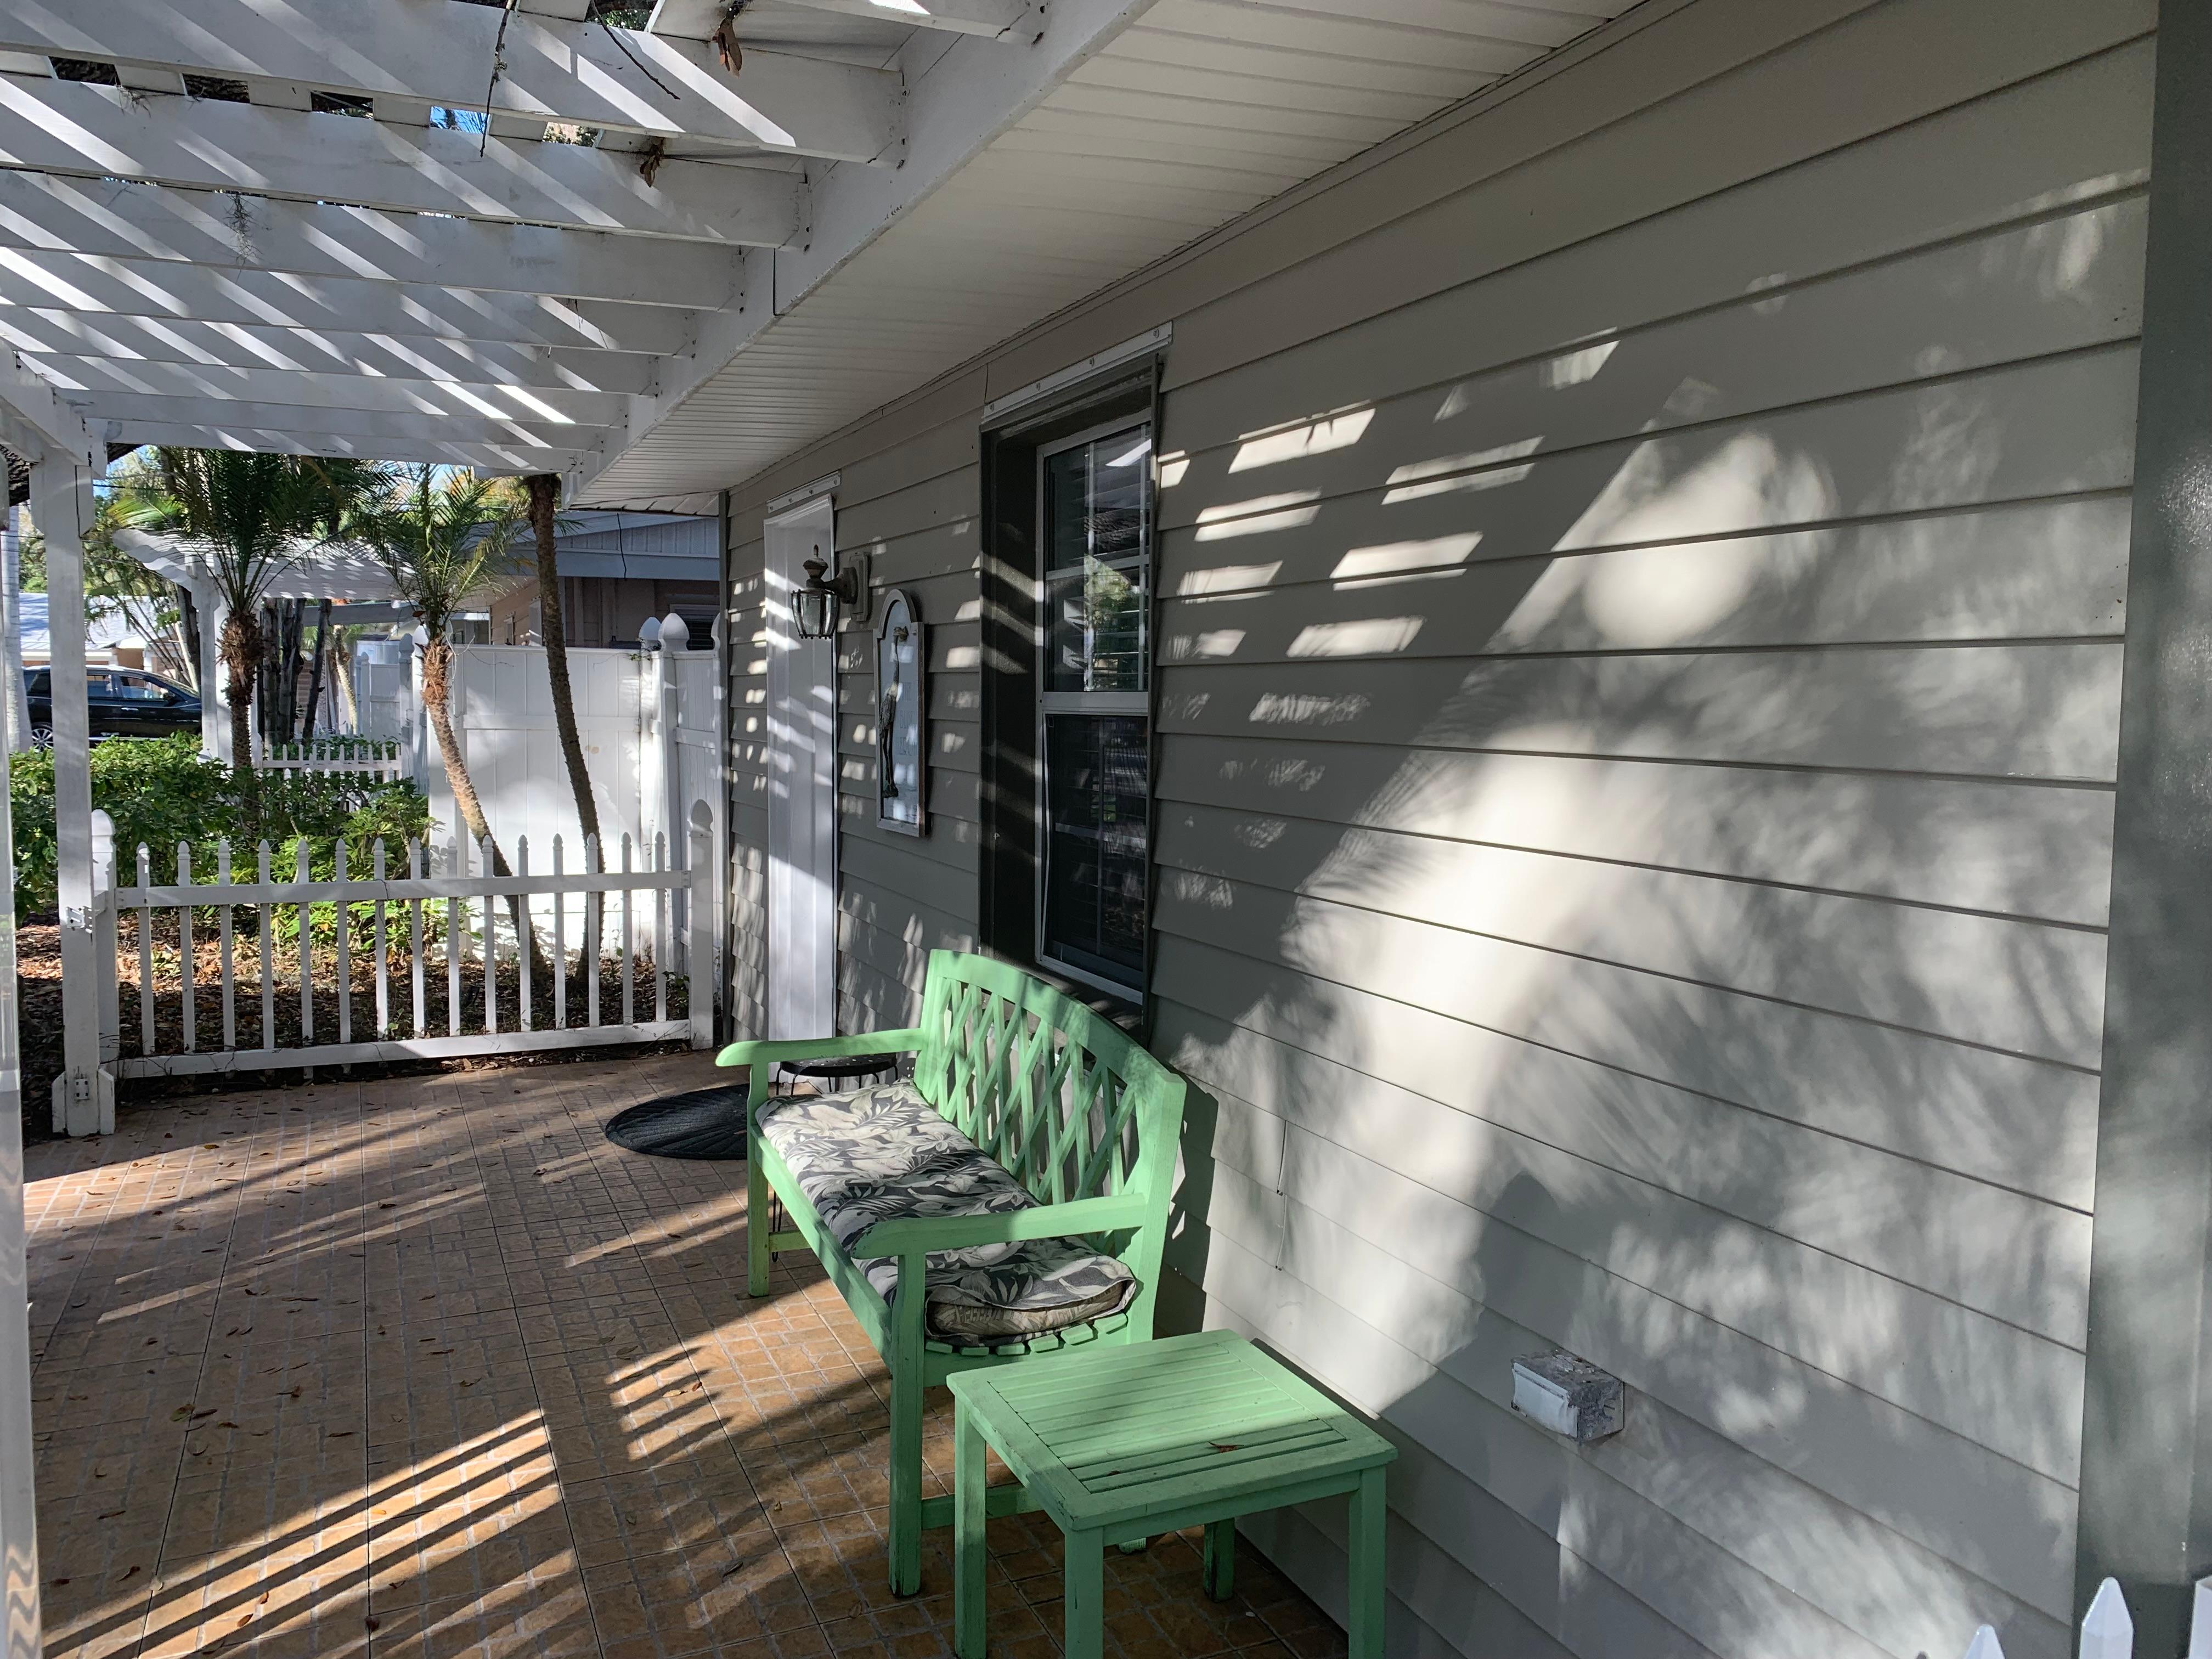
(1636, 832)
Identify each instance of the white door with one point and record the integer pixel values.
(802, 803)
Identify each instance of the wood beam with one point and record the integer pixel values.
(997, 20)
(92, 131)
(489, 457)
(225, 231)
(85, 382)
(65, 336)
(437, 51)
(148, 287)
(382, 426)
(34, 421)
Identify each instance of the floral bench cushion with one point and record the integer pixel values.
(874, 1154)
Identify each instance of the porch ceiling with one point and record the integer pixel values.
(427, 1367)
(1192, 114)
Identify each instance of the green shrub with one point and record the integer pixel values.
(160, 791)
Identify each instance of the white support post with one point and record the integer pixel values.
(675, 639)
(62, 505)
(20, 1636)
(215, 684)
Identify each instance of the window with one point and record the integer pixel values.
(138, 688)
(1094, 510)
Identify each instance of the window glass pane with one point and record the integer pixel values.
(1094, 887)
(1097, 503)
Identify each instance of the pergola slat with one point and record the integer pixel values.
(106, 380)
(64, 127)
(518, 431)
(437, 51)
(487, 457)
(68, 335)
(225, 231)
(141, 287)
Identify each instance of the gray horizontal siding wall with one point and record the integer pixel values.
(1642, 576)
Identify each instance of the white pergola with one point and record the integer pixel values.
(506, 236)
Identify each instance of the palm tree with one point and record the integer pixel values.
(249, 516)
(545, 490)
(445, 537)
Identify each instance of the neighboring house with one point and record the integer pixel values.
(110, 640)
(619, 570)
(1614, 800)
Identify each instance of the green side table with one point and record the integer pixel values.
(1118, 1445)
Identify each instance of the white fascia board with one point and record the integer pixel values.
(972, 93)
(79, 379)
(997, 20)
(180, 293)
(226, 231)
(490, 458)
(35, 423)
(91, 132)
(435, 52)
(457, 421)
(135, 340)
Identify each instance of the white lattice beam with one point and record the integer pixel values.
(1002, 20)
(458, 450)
(176, 293)
(35, 423)
(455, 420)
(69, 336)
(84, 130)
(439, 53)
(101, 382)
(224, 231)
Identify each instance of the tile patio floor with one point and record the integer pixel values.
(428, 1368)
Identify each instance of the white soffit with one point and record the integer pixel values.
(1187, 116)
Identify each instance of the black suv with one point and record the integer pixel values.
(123, 702)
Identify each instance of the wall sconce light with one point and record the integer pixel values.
(815, 606)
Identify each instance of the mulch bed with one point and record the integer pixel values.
(38, 990)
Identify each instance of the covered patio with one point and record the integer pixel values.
(426, 1366)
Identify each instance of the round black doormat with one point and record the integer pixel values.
(702, 1123)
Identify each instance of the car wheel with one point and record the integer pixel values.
(42, 736)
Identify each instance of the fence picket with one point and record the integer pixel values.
(383, 957)
(456, 922)
(661, 909)
(268, 960)
(1985, 1645)
(491, 948)
(145, 956)
(419, 866)
(224, 928)
(2107, 1630)
(185, 962)
(595, 918)
(560, 944)
(306, 953)
(343, 914)
(522, 930)
(629, 1015)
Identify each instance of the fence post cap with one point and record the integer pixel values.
(675, 633)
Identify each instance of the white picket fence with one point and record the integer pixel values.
(387, 915)
(381, 759)
(2108, 1630)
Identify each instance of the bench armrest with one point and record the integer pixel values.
(919, 1235)
(836, 1047)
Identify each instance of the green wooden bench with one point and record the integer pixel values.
(1118, 1447)
(1060, 1101)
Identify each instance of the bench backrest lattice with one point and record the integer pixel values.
(1065, 1100)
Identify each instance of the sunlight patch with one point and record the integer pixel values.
(1281, 709)
(1389, 558)
(1577, 367)
(1296, 443)
(1368, 638)
(1259, 515)
(1419, 478)
(1224, 578)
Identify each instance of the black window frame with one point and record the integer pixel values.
(1011, 772)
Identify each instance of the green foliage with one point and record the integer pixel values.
(162, 791)
(445, 538)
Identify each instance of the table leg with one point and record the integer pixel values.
(1220, 1558)
(1085, 1595)
(969, 1518)
(1365, 1614)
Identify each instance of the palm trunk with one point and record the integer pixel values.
(553, 630)
(315, 674)
(241, 659)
